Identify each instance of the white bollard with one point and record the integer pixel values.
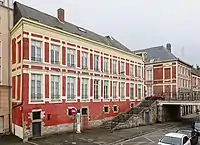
(78, 123)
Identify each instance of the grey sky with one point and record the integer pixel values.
(136, 23)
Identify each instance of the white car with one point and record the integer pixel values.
(174, 139)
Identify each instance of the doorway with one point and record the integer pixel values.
(1, 124)
(36, 129)
(84, 118)
(147, 117)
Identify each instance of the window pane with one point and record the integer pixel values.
(56, 57)
(52, 56)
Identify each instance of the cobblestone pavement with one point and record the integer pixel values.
(96, 136)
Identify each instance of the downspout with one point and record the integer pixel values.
(9, 67)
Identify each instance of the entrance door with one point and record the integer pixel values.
(84, 118)
(147, 117)
(1, 125)
(36, 129)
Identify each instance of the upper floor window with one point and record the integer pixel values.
(54, 54)
(85, 93)
(36, 87)
(70, 88)
(96, 89)
(149, 91)
(149, 76)
(105, 87)
(55, 88)
(114, 66)
(36, 50)
(85, 60)
(70, 57)
(122, 91)
(132, 70)
(115, 90)
(132, 91)
(122, 69)
(105, 65)
(139, 71)
(139, 91)
(96, 62)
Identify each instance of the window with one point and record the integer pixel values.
(114, 67)
(139, 71)
(105, 88)
(185, 140)
(96, 89)
(149, 91)
(70, 88)
(122, 67)
(36, 50)
(70, 57)
(132, 70)
(106, 109)
(85, 60)
(115, 108)
(132, 91)
(114, 90)
(36, 115)
(105, 65)
(149, 75)
(132, 105)
(85, 89)
(96, 62)
(84, 111)
(139, 91)
(36, 87)
(54, 54)
(55, 86)
(122, 91)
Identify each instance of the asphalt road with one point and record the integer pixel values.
(149, 139)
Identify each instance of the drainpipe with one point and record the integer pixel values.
(9, 66)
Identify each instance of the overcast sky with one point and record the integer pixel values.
(136, 23)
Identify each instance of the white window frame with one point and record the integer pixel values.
(114, 66)
(37, 44)
(106, 69)
(106, 95)
(123, 95)
(117, 108)
(71, 80)
(115, 97)
(149, 91)
(85, 91)
(149, 74)
(37, 77)
(122, 67)
(71, 52)
(139, 71)
(132, 70)
(84, 59)
(132, 85)
(55, 48)
(96, 62)
(54, 94)
(98, 88)
(139, 86)
(108, 109)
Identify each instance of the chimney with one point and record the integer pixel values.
(61, 14)
(169, 47)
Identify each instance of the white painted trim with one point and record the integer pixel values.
(88, 89)
(75, 87)
(117, 109)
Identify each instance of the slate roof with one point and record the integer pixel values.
(196, 72)
(158, 53)
(24, 11)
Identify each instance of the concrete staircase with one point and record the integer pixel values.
(120, 119)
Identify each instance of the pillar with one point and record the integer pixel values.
(160, 113)
(181, 110)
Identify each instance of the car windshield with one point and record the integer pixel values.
(171, 140)
(186, 132)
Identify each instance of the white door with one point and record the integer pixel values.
(1, 124)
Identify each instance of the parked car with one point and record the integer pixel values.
(175, 139)
(155, 97)
(197, 127)
(192, 134)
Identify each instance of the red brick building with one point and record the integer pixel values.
(57, 65)
(164, 73)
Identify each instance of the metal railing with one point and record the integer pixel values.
(179, 96)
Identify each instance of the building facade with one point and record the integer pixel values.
(196, 79)
(165, 74)
(6, 17)
(57, 66)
